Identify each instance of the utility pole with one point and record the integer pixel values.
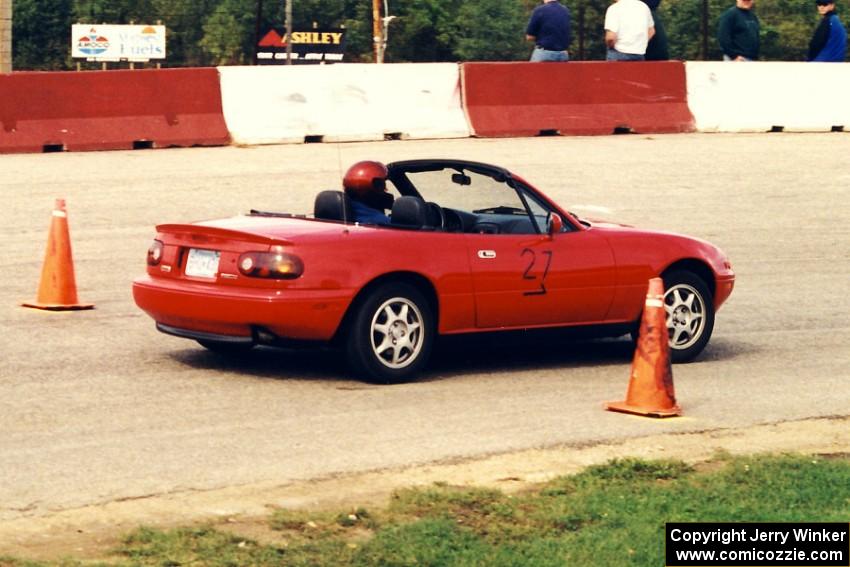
(581, 14)
(257, 22)
(377, 32)
(704, 30)
(289, 32)
(5, 36)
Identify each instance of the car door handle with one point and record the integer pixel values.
(487, 254)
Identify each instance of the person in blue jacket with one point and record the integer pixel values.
(829, 43)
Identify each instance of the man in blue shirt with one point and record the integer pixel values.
(549, 28)
(829, 43)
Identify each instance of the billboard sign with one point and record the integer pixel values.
(117, 42)
(313, 46)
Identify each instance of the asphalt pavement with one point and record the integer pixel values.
(97, 406)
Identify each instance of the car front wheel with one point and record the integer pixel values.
(690, 314)
(389, 340)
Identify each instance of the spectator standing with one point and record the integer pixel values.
(551, 31)
(829, 43)
(738, 32)
(628, 29)
(657, 48)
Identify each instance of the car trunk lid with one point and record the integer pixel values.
(209, 252)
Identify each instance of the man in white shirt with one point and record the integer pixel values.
(628, 28)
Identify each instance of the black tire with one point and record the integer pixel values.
(690, 314)
(226, 349)
(390, 335)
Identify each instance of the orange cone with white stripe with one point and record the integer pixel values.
(651, 390)
(57, 289)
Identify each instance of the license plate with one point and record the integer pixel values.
(202, 263)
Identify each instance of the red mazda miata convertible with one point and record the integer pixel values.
(466, 247)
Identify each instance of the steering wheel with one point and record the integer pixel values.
(436, 216)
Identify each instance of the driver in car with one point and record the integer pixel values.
(365, 183)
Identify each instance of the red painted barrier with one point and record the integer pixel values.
(578, 98)
(110, 110)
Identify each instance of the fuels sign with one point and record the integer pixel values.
(117, 42)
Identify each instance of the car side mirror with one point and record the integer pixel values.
(554, 225)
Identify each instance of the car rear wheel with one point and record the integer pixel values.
(389, 339)
(690, 314)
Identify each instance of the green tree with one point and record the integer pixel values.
(358, 35)
(229, 33)
(588, 29)
(113, 11)
(490, 30)
(205, 32)
(41, 34)
(184, 21)
(320, 13)
(787, 27)
(421, 31)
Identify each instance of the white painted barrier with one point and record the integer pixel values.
(768, 96)
(342, 102)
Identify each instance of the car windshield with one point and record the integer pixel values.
(466, 191)
(488, 198)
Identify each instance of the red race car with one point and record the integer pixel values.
(467, 247)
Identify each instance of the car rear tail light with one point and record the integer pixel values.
(275, 264)
(155, 253)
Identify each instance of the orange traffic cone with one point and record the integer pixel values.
(57, 289)
(651, 382)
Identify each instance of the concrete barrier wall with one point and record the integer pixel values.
(110, 110)
(581, 98)
(768, 96)
(351, 102)
(101, 110)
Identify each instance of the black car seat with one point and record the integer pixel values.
(333, 205)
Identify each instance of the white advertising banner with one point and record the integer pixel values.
(117, 42)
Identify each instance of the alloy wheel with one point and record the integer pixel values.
(397, 332)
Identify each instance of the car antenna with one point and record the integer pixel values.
(339, 160)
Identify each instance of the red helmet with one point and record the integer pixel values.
(365, 179)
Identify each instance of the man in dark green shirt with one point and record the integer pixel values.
(738, 32)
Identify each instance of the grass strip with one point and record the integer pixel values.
(612, 514)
